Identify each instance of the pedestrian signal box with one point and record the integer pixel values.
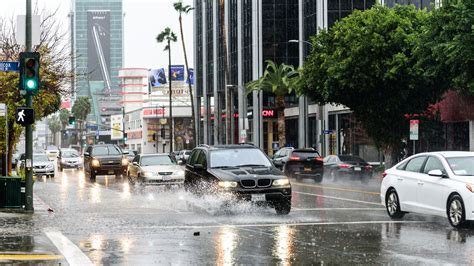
(25, 116)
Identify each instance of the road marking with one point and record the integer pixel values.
(71, 252)
(30, 257)
(340, 189)
(281, 224)
(337, 209)
(337, 198)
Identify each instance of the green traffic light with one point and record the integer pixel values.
(30, 84)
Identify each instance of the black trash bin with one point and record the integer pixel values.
(10, 192)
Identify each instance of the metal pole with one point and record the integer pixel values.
(414, 147)
(171, 107)
(29, 128)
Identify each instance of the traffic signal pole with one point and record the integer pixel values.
(28, 128)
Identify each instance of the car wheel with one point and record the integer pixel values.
(283, 207)
(318, 179)
(456, 212)
(392, 204)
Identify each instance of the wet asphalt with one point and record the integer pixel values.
(112, 222)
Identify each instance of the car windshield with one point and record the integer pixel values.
(462, 166)
(348, 158)
(157, 160)
(238, 157)
(106, 150)
(40, 158)
(69, 154)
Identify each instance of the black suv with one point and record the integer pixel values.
(242, 170)
(104, 159)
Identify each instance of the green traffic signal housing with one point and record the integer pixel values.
(72, 120)
(125, 136)
(29, 72)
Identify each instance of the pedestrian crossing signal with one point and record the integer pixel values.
(25, 116)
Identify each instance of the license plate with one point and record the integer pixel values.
(111, 172)
(307, 169)
(357, 169)
(166, 177)
(258, 197)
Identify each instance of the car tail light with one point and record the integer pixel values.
(319, 159)
(384, 174)
(294, 158)
(343, 165)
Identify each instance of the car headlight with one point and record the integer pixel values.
(180, 173)
(63, 160)
(147, 174)
(95, 163)
(124, 162)
(281, 182)
(49, 166)
(227, 184)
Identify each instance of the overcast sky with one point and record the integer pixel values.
(144, 20)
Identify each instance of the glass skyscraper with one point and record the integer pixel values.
(98, 54)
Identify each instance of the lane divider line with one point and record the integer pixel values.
(30, 257)
(337, 209)
(337, 198)
(71, 252)
(337, 188)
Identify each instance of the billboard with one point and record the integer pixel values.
(116, 127)
(98, 45)
(157, 77)
(177, 72)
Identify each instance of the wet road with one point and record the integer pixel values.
(111, 222)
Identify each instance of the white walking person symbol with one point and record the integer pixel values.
(21, 116)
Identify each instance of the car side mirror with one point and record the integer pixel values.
(199, 167)
(135, 163)
(180, 162)
(125, 152)
(86, 154)
(437, 173)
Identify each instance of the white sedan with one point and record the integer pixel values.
(435, 183)
(158, 169)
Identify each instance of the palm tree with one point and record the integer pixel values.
(54, 124)
(80, 109)
(168, 36)
(178, 6)
(64, 115)
(279, 80)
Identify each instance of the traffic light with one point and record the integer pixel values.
(72, 120)
(124, 136)
(29, 72)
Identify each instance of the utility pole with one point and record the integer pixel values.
(171, 106)
(28, 128)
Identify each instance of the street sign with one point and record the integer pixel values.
(3, 109)
(9, 66)
(25, 116)
(414, 127)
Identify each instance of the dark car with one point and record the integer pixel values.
(300, 163)
(243, 170)
(347, 166)
(104, 159)
(69, 158)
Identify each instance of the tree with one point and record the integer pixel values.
(64, 115)
(168, 36)
(178, 6)
(366, 63)
(446, 49)
(54, 73)
(54, 125)
(280, 80)
(80, 110)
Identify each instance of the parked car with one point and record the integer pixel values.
(300, 163)
(183, 155)
(104, 159)
(243, 171)
(157, 169)
(69, 158)
(343, 167)
(42, 165)
(435, 183)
